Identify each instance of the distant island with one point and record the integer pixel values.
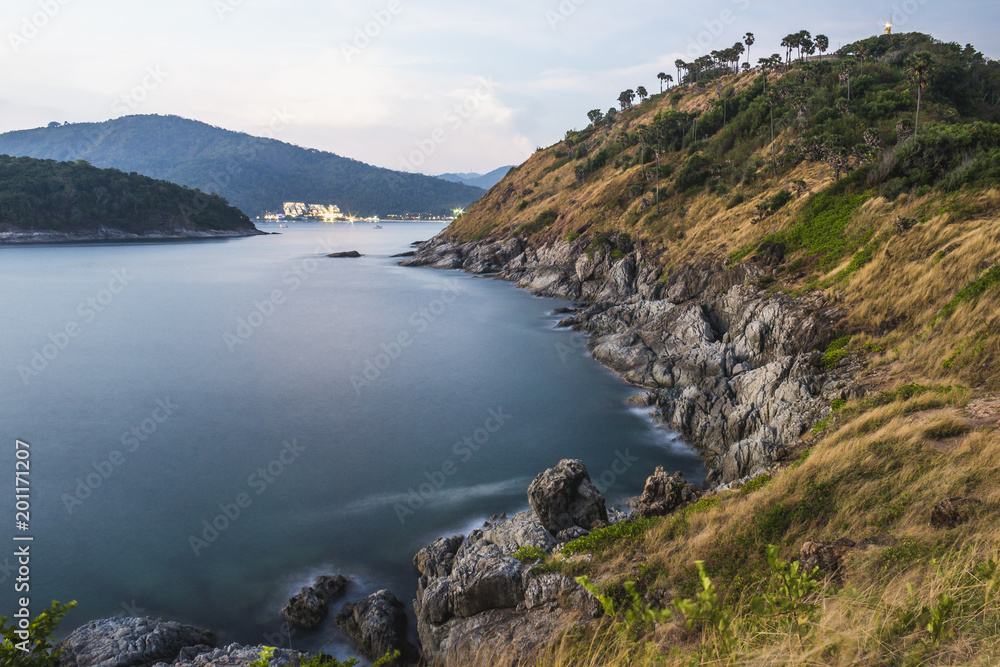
(45, 200)
(484, 181)
(254, 174)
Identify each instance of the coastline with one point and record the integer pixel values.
(25, 237)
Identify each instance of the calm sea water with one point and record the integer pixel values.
(214, 423)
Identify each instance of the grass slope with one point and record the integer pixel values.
(903, 232)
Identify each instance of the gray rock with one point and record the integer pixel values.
(308, 608)
(521, 530)
(563, 497)
(664, 494)
(130, 642)
(349, 254)
(233, 655)
(436, 558)
(377, 625)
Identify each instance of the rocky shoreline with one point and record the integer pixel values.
(737, 371)
(109, 234)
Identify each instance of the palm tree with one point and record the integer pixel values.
(737, 51)
(680, 65)
(662, 76)
(641, 92)
(595, 116)
(920, 68)
(803, 39)
(669, 79)
(748, 39)
(822, 43)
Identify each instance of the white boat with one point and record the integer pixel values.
(282, 226)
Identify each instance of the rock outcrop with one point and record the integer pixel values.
(473, 593)
(952, 512)
(308, 608)
(131, 642)
(664, 494)
(234, 655)
(377, 625)
(827, 556)
(734, 370)
(564, 498)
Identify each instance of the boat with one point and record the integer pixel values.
(282, 226)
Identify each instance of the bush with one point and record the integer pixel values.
(36, 651)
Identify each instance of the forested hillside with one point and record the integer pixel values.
(77, 198)
(252, 173)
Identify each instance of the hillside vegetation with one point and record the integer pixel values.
(252, 173)
(75, 197)
(895, 219)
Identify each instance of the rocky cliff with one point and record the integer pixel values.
(734, 369)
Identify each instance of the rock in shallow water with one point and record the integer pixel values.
(377, 625)
(308, 609)
(130, 642)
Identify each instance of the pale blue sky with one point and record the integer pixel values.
(524, 71)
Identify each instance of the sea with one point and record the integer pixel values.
(211, 424)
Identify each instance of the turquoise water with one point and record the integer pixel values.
(213, 423)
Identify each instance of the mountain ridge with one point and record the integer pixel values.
(255, 174)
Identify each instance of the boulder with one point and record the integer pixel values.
(130, 642)
(664, 494)
(521, 530)
(308, 609)
(952, 512)
(234, 655)
(348, 254)
(827, 556)
(377, 625)
(563, 497)
(436, 558)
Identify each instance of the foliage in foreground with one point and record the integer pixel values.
(35, 647)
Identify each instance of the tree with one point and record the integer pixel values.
(735, 53)
(803, 39)
(822, 43)
(748, 39)
(662, 76)
(626, 98)
(641, 92)
(595, 116)
(680, 65)
(920, 68)
(669, 79)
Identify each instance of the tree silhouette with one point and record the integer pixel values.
(680, 65)
(595, 116)
(822, 43)
(641, 92)
(748, 39)
(662, 76)
(920, 68)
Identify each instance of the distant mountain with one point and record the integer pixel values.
(252, 173)
(49, 200)
(484, 181)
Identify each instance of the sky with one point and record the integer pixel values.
(427, 86)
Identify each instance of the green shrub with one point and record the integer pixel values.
(628, 531)
(37, 649)
(529, 554)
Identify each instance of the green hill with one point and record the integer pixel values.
(252, 173)
(816, 176)
(77, 200)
